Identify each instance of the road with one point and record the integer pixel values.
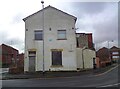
(107, 79)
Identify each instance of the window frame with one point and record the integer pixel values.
(115, 53)
(54, 63)
(58, 37)
(35, 35)
(115, 57)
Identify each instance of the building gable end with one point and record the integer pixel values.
(47, 8)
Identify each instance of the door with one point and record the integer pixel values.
(31, 63)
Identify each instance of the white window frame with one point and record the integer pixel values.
(41, 37)
(115, 53)
(60, 33)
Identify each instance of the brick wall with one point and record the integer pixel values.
(9, 55)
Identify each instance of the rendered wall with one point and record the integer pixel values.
(56, 21)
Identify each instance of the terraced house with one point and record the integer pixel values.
(50, 42)
(59, 41)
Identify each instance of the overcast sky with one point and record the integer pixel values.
(99, 18)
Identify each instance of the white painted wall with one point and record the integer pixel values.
(56, 21)
(88, 56)
(79, 58)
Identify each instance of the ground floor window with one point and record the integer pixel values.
(115, 56)
(56, 57)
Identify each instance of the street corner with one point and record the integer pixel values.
(107, 70)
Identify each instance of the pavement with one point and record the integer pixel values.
(109, 79)
(6, 76)
(4, 70)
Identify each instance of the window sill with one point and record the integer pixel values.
(56, 66)
(61, 39)
(37, 40)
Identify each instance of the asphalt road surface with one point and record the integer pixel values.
(106, 79)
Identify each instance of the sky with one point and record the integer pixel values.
(93, 16)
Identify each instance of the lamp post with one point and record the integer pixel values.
(109, 42)
(43, 34)
(109, 50)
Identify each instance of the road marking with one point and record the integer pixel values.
(107, 71)
(110, 85)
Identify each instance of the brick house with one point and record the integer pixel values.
(115, 53)
(9, 55)
(21, 60)
(103, 57)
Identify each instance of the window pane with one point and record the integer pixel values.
(115, 57)
(39, 35)
(115, 53)
(61, 34)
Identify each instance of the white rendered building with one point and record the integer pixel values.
(59, 41)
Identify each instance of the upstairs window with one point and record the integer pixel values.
(115, 53)
(61, 34)
(38, 35)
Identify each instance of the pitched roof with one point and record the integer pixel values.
(8, 46)
(47, 8)
(114, 48)
(102, 49)
(102, 53)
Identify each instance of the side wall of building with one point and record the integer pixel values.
(9, 55)
(53, 20)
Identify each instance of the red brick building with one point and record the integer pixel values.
(21, 59)
(90, 40)
(84, 39)
(115, 53)
(9, 55)
(103, 57)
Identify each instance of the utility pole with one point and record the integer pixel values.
(43, 34)
(109, 42)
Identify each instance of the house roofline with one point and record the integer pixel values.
(24, 19)
(8, 46)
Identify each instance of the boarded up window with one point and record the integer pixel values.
(56, 57)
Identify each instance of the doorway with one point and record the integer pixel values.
(31, 63)
(32, 58)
